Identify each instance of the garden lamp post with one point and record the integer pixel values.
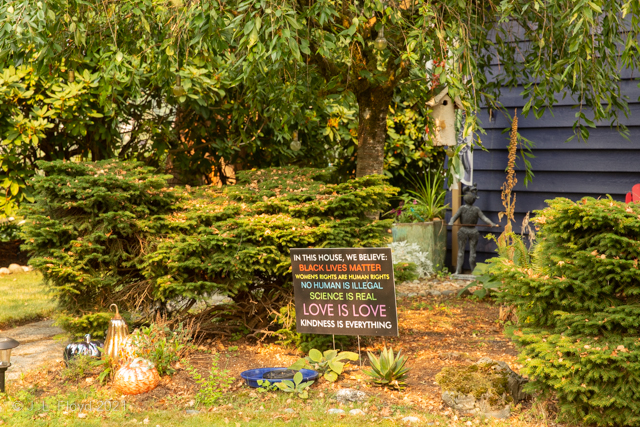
(6, 344)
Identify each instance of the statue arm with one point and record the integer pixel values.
(485, 219)
(455, 217)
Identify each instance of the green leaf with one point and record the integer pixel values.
(330, 376)
(297, 378)
(253, 37)
(336, 366)
(349, 355)
(293, 22)
(315, 355)
(330, 354)
(299, 364)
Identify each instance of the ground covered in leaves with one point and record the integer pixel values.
(435, 332)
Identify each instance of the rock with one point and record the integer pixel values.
(515, 382)
(411, 294)
(411, 419)
(335, 411)
(192, 411)
(289, 411)
(26, 268)
(485, 388)
(347, 395)
(5, 270)
(448, 292)
(356, 412)
(435, 293)
(15, 268)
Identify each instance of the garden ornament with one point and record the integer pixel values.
(85, 348)
(634, 195)
(469, 216)
(136, 377)
(116, 335)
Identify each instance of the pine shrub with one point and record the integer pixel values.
(114, 232)
(578, 306)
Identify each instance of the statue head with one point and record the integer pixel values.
(470, 198)
(470, 194)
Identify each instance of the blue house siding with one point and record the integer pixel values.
(607, 164)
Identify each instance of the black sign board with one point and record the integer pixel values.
(346, 291)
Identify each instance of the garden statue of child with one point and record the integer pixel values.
(469, 215)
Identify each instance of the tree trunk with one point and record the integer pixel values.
(372, 129)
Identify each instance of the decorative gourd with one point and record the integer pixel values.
(136, 377)
(116, 334)
(86, 348)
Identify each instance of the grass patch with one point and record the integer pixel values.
(242, 408)
(24, 299)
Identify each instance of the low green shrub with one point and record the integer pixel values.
(113, 232)
(405, 271)
(578, 305)
(213, 386)
(161, 345)
(9, 229)
(296, 386)
(78, 368)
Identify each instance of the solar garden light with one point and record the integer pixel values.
(380, 43)
(6, 344)
(295, 144)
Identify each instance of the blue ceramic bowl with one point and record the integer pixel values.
(253, 375)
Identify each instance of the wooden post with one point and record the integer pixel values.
(455, 205)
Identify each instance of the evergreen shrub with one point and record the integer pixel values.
(578, 305)
(114, 232)
(405, 272)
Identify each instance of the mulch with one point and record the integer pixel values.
(435, 332)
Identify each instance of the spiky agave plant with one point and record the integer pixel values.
(388, 370)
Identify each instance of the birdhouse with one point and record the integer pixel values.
(444, 117)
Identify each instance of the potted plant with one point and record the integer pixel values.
(419, 218)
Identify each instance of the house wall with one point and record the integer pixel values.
(606, 164)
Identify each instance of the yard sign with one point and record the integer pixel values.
(346, 291)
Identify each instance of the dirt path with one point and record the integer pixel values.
(37, 346)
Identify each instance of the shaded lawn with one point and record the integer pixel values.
(23, 298)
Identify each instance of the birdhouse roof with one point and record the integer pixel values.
(440, 96)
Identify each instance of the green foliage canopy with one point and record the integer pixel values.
(160, 82)
(97, 80)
